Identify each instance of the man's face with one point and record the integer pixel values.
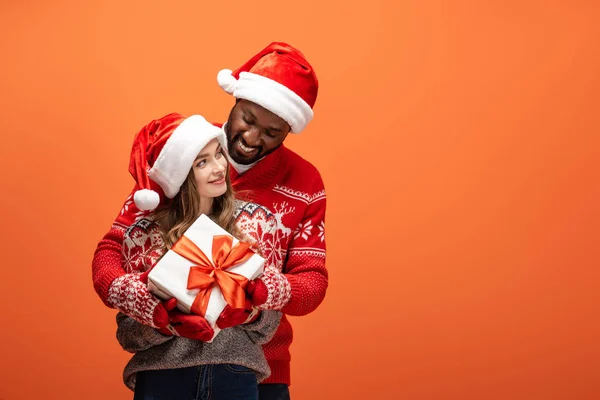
(253, 132)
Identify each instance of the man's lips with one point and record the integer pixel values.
(245, 149)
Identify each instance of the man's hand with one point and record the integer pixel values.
(130, 295)
(236, 316)
(190, 326)
(271, 291)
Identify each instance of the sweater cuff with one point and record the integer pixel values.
(294, 300)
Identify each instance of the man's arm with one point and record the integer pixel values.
(121, 289)
(107, 264)
(302, 284)
(305, 264)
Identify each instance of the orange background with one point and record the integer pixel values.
(459, 145)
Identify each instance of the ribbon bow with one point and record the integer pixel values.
(205, 274)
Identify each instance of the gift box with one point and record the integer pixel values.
(205, 270)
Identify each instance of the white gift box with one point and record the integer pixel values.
(169, 277)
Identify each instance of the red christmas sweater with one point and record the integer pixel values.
(292, 189)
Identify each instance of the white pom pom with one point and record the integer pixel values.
(146, 199)
(226, 80)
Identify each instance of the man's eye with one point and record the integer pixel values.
(246, 120)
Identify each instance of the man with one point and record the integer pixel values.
(275, 92)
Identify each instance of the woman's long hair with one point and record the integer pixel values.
(176, 216)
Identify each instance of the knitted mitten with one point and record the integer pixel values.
(236, 316)
(129, 294)
(190, 326)
(270, 291)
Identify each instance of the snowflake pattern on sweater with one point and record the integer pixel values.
(267, 228)
(262, 225)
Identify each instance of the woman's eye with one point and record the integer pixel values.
(201, 163)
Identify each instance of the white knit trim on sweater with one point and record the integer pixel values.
(299, 195)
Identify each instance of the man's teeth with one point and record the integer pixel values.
(245, 148)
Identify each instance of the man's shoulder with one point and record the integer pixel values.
(300, 165)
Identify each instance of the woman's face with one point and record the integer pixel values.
(209, 171)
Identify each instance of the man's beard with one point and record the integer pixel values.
(233, 154)
(239, 158)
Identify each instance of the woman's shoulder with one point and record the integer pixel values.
(252, 217)
(142, 225)
(142, 245)
(143, 233)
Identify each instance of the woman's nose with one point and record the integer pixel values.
(219, 167)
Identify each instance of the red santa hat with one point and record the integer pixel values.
(279, 79)
(163, 154)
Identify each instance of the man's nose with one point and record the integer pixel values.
(252, 136)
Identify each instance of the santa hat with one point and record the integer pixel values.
(279, 79)
(163, 154)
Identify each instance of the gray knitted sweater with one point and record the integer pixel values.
(239, 345)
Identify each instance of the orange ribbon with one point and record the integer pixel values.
(204, 274)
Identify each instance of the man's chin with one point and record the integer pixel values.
(241, 159)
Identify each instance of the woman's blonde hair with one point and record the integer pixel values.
(176, 216)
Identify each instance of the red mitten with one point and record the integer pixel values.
(258, 292)
(129, 294)
(271, 291)
(170, 304)
(190, 326)
(236, 316)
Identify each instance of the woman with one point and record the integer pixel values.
(181, 172)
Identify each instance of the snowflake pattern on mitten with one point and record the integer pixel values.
(142, 247)
(278, 288)
(130, 296)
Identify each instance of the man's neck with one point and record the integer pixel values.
(241, 168)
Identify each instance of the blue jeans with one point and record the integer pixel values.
(273, 391)
(206, 382)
